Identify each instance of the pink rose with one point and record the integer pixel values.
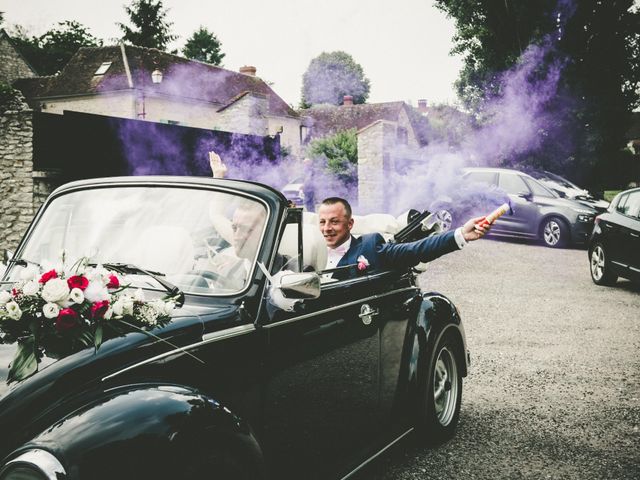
(48, 276)
(113, 281)
(362, 266)
(67, 319)
(98, 309)
(78, 281)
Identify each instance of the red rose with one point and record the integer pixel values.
(67, 319)
(98, 309)
(48, 276)
(77, 281)
(113, 281)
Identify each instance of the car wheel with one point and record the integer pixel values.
(554, 232)
(445, 219)
(601, 272)
(440, 395)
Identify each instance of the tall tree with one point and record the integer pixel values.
(49, 53)
(595, 47)
(204, 46)
(149, 27)
(332, 75)
(340, 151)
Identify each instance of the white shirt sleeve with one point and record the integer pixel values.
(459, 238)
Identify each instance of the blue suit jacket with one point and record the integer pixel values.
(387, 256)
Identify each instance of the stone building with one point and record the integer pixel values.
(12, 64)
(383, 130)
(148, 84)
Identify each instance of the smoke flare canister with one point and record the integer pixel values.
(493, 216)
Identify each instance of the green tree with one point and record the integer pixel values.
(332, 75)
(597, 45)
(204, 46)
(149, 27)
(49, 53)
(341, 154)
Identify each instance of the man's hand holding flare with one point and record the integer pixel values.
(478, 227)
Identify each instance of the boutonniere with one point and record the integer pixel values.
(363, 263)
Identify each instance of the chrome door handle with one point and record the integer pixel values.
(635, 235)
(367, 313)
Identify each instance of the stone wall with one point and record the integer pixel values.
(16, 182)
(247, 115)
(375, 143)
(12, 65)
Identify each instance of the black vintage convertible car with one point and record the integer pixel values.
(256, 375)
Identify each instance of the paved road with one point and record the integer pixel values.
(554, 385)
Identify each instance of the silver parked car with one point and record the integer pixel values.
(567, 189)
(538, 212)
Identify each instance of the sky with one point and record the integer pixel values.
(403, 46)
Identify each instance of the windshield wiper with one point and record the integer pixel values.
(22, 262)
(127, 268)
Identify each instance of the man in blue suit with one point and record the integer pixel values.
(372, 253)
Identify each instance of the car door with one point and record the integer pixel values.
(613, 233)
(526, 213)
(630, 232)
(321, 386)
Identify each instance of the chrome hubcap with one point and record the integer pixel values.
(445, 386)
(597, 263)
(445, 219)
(552, 232)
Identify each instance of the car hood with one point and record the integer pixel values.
(569, 203)
(87, 365)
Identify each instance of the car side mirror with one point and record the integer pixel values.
(300, 286)
(526, 195)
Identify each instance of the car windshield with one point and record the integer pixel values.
(200, 240)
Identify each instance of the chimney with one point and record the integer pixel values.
(347, 100)
(248, 70)
(422, 106)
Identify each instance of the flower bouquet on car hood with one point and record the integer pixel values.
(58, 311)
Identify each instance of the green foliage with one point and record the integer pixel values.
(598, 44)
(10, 98)
(49, 53)
(149, 27)
(204, 46)
(332, 75)
(341, 154)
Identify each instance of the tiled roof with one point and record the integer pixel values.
(182, 77)
(330, 119)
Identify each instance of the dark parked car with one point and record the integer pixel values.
(237, 384)
(614, 247)
(538, 212)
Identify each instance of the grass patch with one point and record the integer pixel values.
(609, 194)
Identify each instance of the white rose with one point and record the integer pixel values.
(128, 306)
(30, 272)
(118, 307)
(76, 296)
(108, 314)
(31, 288)
(13, 310)
(5, 297)
(96, 292)
(139, 295)
(55, 290)
(169, 307)
(50, 310)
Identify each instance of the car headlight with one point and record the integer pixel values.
(585, 217)
(33, 464)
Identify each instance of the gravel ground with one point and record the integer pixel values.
(554, 385)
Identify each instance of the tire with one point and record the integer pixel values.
(440, 393)
(601, 271)
(554, 232)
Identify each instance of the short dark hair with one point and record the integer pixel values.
(334, 200)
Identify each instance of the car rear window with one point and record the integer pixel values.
(633, 205)
(512, 183)
(482, 177)
(622, 204)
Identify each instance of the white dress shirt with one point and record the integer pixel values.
(334, 255)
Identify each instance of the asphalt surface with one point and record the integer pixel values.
(553, 390)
